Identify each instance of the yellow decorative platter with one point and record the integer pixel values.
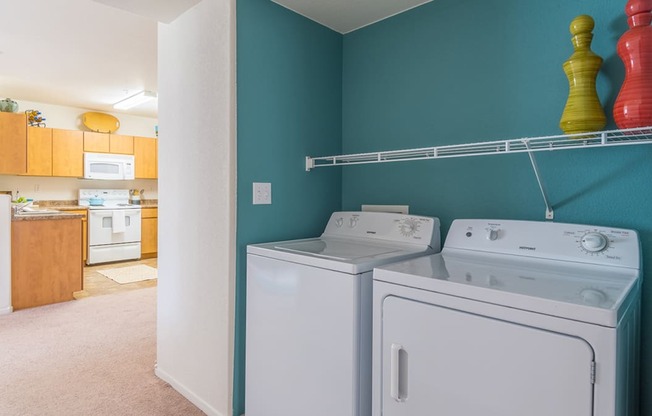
(100, 122)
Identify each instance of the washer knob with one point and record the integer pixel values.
(339, 222)
(594, 242)
(492, 235)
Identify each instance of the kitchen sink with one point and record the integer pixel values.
(37, 211)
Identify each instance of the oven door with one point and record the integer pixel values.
(113, 226)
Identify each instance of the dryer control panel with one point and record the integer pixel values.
(385, 226)
(548, 240)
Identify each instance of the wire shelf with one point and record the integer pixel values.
(623, 137)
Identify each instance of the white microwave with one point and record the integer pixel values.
(108, 166)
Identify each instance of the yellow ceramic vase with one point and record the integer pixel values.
(583, 111)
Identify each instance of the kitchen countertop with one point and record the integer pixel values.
(74, 204)
(63, 206)
(45, 217)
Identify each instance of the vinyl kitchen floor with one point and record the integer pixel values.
(96, 284)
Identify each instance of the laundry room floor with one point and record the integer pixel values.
(96, 284)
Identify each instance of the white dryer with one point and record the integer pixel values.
(512, 318)
(308, 345)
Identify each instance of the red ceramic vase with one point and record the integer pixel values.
(633, 107)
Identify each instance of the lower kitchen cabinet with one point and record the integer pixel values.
(149, 233)
(84, 214)
(46, 261)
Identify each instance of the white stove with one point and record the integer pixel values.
(114, 225)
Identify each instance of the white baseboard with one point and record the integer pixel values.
(185, 392)
(7, 310)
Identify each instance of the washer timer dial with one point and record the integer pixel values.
(594, 242)
(409, 227)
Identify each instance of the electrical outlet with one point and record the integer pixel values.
(37, 188)
(262, 193)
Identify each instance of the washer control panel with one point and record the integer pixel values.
(548, 240)
(384, 226)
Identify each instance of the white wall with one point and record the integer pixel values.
(196, 283)
(48, 188)
(63, 117)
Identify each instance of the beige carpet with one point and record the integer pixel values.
(88, 357)
(124, 275)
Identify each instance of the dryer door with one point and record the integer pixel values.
(439, 361)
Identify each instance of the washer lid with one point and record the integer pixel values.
(340, 254)
(582, 292)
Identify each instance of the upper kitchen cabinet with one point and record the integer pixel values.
(39, 151)
(121, 144)
(108, 143)
(96, 142)
(13, 142)
(67, 153)
(146, 159)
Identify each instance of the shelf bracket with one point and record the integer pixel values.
(549, 212)
(309, 163)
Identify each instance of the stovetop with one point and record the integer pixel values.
(112, 199)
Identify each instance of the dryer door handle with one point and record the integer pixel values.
(398, 373)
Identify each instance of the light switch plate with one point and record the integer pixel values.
(262, 193)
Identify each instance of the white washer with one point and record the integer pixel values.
(308, 345)
(512, 318)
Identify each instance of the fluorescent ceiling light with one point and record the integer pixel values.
(134, 100)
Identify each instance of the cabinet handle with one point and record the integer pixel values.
(398, 373)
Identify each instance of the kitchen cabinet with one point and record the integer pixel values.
(46, 261)
(149, 232)
(13, 142)
(146, 157)
(96, 142)
(67, 153)
(108, 143)
(84, 231)
(121, 144)
(39, 151)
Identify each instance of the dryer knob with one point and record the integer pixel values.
(594, 242)
(339, 222)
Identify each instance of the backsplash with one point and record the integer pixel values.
(46, 188)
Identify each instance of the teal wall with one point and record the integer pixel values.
(460, 71)
(451, 71)
(289, 95)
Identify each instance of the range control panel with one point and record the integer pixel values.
(384, 226)
(548, 240)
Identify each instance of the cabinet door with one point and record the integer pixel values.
(145, 153)
(13, 142)
(440, 361)
(121, 144)
(96, 142)
(39, 151)
(149, 237)
(67, 153)
(84, 231)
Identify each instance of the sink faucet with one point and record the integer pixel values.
(18, 208)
